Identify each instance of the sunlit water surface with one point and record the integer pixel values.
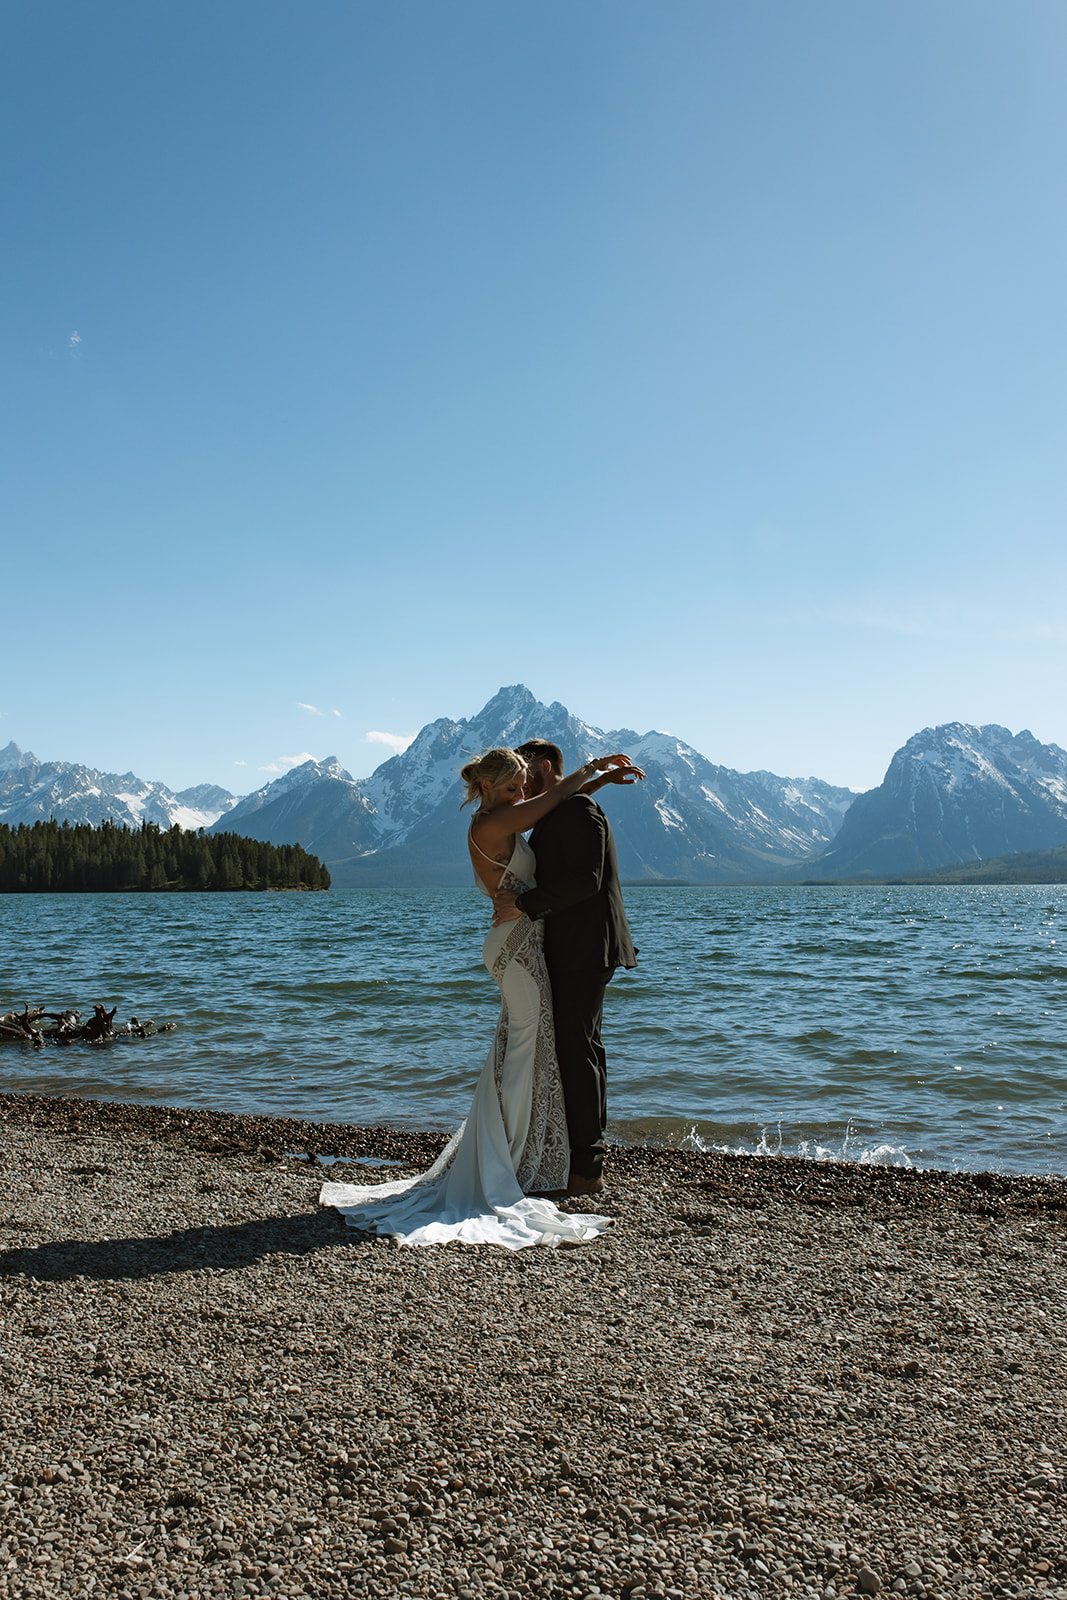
(893, 1025)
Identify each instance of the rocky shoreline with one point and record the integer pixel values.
(771, 1377)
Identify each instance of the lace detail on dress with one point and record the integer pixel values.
(546, 1155)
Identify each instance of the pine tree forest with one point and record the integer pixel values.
(53, 857)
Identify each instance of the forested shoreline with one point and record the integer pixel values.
(54, 857)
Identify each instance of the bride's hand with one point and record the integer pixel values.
(611, 769)
(504, 907)
(622, 774)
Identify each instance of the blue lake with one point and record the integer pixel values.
(899, 1025)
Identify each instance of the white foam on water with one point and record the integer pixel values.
(851, 1150)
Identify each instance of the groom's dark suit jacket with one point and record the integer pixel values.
(578, 890)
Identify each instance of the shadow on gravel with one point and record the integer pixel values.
(226, 1248)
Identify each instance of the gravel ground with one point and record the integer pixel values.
(771, 1377)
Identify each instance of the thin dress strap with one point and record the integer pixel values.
(493, 862)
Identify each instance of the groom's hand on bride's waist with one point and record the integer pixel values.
(504, 907)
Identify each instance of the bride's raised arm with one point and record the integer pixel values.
(499, 823)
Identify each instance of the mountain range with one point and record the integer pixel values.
(689, 820)
(32, 791)
(953, 794)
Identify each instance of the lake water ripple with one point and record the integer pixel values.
(905, 1025)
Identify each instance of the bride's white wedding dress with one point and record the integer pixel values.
(514, 1140)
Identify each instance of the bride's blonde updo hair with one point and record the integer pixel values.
(494, 767)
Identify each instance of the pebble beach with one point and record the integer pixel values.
(771, 1377)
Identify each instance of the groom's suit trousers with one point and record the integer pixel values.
(577, 1009)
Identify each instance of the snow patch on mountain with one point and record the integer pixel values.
(669, 817)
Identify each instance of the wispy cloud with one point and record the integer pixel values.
(303, 706)
(335, 713)
(395, 741)
(240, 763)
(286, 763)
(74, 343)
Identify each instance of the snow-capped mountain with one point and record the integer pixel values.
(33, 791)
(318, 801)
(952, 794)
(689, 819)
(410, 788)
(717, 823)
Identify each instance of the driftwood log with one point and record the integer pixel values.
(40, 1027)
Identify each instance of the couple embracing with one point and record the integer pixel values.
(536, 1127)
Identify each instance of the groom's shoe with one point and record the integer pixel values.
(576, 1185)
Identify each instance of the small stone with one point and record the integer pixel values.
(868, 1581)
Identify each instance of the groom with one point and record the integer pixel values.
(586, 938)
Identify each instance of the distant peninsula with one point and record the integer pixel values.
(1023, 866)
(61, 858)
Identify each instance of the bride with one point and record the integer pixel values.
(489, 1184)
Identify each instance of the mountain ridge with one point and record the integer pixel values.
(952, 794)
(689, 819)
(35, 791)
(955, 793)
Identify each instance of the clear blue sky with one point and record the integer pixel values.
(702, 365)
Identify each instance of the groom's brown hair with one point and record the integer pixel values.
(542, 750)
